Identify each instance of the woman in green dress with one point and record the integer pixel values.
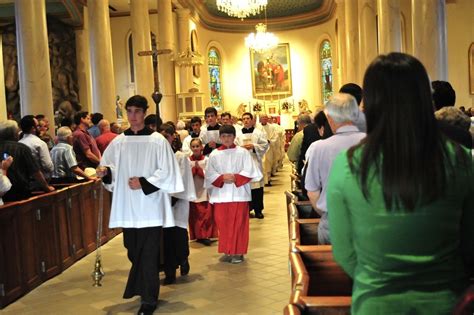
(400, 214)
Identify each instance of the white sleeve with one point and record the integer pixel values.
(110, 159)
(262, 145)
(189, 192)
(250, 168)
(5, 183)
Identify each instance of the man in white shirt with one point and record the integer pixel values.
(139, 167)
(341, 111)
(29, 125)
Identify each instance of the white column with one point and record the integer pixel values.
(103, 81)
(390, 33)
(184, 41)
(429, 36)
(352, 41)
(33, 59)
(341, 44)
(142, 41)
(166, 68)
(3, 100)
(84, 76)
(367, 34)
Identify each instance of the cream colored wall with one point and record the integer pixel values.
(236, 72)
(460, 33)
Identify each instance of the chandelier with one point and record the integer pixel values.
(188, 58)
(241, 8)
(261, 40)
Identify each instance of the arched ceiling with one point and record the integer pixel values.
(281, 15)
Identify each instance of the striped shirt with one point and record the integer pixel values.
(64, 158)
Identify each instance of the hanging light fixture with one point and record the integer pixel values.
(261, 40)
(189, 58)
(241, 8)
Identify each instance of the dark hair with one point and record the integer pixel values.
(26, 123)
(195, 139)
(152, 119)
(403, 145)
(66, 122)
(167, 128)
(227, 129)
(96, 117)
(226, 114)
(78, 116)
(352, 89)
(40, 117)
(443, 94)
(137, 101)
(210, 110)
(247, 114)
(196, 119)
(320, 120)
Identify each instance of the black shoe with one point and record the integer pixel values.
(169, 280)
(184, 269)
(259, 215)
(146, 309)
(204, 241)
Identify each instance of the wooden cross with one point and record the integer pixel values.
(154, 52)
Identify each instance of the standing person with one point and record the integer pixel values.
(400, 205)
(201, 217)
(195, 133)
(106, 136)
(342, 113)
(229, 171)
(210, 134)
(270, 155)
(43, 128)
(255, 141)
(85, 147)
(175, 237)
(140, 169)
(94, 131)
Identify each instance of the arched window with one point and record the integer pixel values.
(326, 70)
(215, 82)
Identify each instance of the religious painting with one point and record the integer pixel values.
(471, 68)
(271, 72)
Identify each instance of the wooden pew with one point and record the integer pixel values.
(319, 285)
(303, 232)
(42, 236)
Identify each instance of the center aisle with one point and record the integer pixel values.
(260, 285)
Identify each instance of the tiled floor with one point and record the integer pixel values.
(260, 285)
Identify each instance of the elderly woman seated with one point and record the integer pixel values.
(66, 169)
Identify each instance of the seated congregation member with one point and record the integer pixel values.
(201, 214)
(342, 113)
(400, 203)
(445, 96)
(66, 169)
(175, 236)
(195, 133)
(24, 166)
(85, 147)
(229, 171)
(210, 133)
(294, 148)
(140, 169)
(106, 135)
(5, 183)
(255, 141)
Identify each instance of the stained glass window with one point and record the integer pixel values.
(326, 70)
(215, 87)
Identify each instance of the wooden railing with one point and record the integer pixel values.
(42, 236)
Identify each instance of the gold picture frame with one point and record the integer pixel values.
(271, 72)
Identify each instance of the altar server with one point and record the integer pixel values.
(140, 169)
(228, 175)
(201, 219)
(255, 141)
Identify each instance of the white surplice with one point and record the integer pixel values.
(201, 191)
(230, 161)
(260, 146)
(148, 156)
(181, 207)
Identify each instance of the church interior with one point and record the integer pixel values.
(59, 57)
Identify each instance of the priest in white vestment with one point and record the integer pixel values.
(139, 167)
(255, 141)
